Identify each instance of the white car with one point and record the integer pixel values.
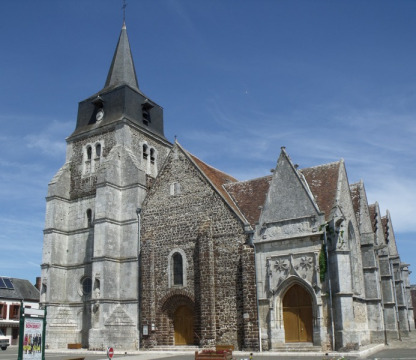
(4, 341)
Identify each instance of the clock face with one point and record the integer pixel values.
(100, 115)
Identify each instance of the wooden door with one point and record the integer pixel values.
(183, 323)
(297, 315)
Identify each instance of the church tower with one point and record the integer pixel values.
(91, 239)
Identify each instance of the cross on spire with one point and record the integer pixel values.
(124, 10)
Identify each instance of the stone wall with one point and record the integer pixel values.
(218, 283)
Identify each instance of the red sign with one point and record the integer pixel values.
(110, 352)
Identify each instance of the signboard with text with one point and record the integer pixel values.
(32, 339)
(32, 326)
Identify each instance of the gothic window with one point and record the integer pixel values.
(89, 152)
(98, 150)
(152, 155)
(177, 269)
(145, 151)
(89, 218)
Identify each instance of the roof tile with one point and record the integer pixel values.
(323, 182)
(250, 196)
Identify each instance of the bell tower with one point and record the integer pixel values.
(91, 238)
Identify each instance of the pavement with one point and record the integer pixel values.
(370, 351)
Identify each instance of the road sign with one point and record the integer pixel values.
(110, 352)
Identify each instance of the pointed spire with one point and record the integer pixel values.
(122, 71)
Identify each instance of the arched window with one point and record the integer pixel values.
(152, 155)
(145, 151)
(89, 217)
(98, 150)
(89, 152)
(177, 269)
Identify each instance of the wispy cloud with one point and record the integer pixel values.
(377, 149)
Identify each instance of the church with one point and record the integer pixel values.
(147, 246)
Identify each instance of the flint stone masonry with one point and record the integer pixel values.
(219, 267)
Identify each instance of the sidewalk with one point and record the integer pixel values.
(406, 343)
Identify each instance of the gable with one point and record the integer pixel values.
(288, 196)
(183, 175)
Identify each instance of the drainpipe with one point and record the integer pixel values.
(330, 290)
(138, 212)
(251, 243)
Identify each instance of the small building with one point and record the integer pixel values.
(14, 292)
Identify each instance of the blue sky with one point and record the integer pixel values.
(237, 79)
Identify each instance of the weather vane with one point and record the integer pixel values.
(124, 10)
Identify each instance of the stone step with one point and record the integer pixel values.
(297, 347)
(192, 348)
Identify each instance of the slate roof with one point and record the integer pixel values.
(323, 183)
(250, 196)
(23, 290)
(122, 69)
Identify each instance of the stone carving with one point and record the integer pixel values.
(306, 263)
(280, 268)
(281, 265)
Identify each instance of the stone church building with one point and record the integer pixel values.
(145, 245)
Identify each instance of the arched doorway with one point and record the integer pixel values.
(183, 323)
(297, 315)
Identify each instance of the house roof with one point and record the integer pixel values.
(250, 196)
(323, 183)
(22, 290)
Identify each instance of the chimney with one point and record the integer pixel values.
(38, 282)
